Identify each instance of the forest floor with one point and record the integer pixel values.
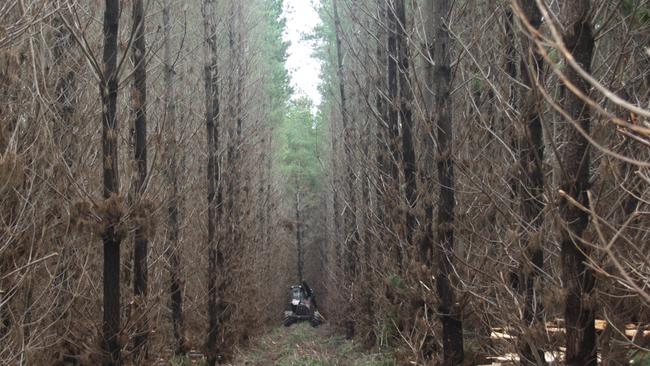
(302, 345)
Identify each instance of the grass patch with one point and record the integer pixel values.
(302, 345)
(185, 361)
(302, 361)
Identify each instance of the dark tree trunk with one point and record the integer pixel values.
(351, 234)
(212, 120)
(298, 235)
(65, 99)
(173, 225)
(531, 192)
(383, 139)
(336, 199)
(428, 147)
(111, 237)
(405, 101)
(267, 197)
(381, 104)
(511, 71)
(427, 242)
(393, 120)
(449, 308)
(63, 135)
(574, 181)
(140, 248)
(63, 132)
(393, 107)
(230, 176)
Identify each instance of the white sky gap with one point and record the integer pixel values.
(303, 68)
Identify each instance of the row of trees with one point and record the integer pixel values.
(488, 173)
(179, 271)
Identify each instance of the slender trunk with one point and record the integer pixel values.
(267, 196)
(212, 120)
(140, 249)
(380, 104)
(405, 116)
(392, 120)
(65, 102)
(298, 235)
(510, 66)
(336, 199)
(511, 71)
(65, 99)
(239, 94)
(531, 192)
(173, 226)
(111, 237)
(231, 163)
(381, 136)
(352, 235)
(428, 146)
(393, 109)
(426, 245)
(577, 277)
(368, 201)
(449, 308)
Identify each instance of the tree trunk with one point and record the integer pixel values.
(351, 234)
(531, 193)
(173, 226)
(267, 197)
(405, 115)
(212, 121)
(337, 241)
(63, 131)
(510, 66)
(393, 122)
(298, 235)
(140, 248)
(383, 141)
(63, 135)
(111, 237)
(575, 162)
(449, 308)
(380, 137)
(426, 245)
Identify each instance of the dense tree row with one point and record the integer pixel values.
(489, 173)
(126, 167)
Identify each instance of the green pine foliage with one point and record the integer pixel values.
(301, 142)
(276, 50)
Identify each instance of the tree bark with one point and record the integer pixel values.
(298, 234)
(574, 181)
(351, 233)
(449, 308)
(393, 120)
(111, 237)
(173, 226)
(212, 121)
(531, 192)
(140, 248)
(426, 245)
(63, 135)
(405, 116)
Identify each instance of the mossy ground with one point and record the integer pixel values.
(302, 345)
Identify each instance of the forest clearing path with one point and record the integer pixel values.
(302, 345)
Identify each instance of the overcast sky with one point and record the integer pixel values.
(301, 18)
